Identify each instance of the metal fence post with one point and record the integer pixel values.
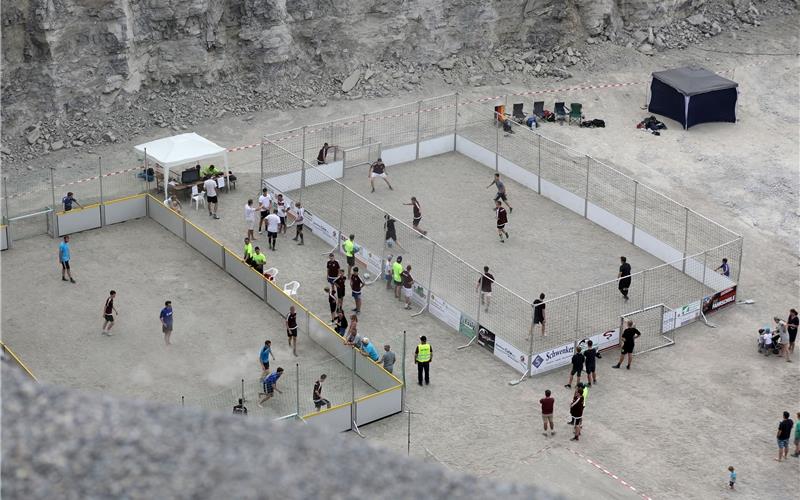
(419, 115)
(341, 220)
(586, 191)
(455, 126)
(53, 187)
(635, 205)
(497, 143)
(5, 199)
(182, 401)
(739, 267)
(243, 398)
(703, 283)
(403, 392)
(100, 175)
(529, 368)
(685, 237)
(644, 283)
(303, 166)
(261, 179)
(430, 277)
(539, 171)
(297, 389)
(353, 410)
(577, 315)
(363, 129)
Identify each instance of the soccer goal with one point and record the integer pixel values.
(361, 155)
(656, 325)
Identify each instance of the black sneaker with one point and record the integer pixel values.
(510, 210)
(574, 439)
(568, 386)
(615, 366)
(628, 367)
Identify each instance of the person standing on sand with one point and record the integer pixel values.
(263, 357)
(624, 277)
(291, 329)
(63, 258)
(501, 191)
(538, 314)
(417, 212)
(108, 314)
(166, 321)
(576, 412)
(783, 435)
(629, 336)
(547, 404)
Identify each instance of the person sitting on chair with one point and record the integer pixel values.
(507, 126)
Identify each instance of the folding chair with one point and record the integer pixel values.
(560, 112)
(198, 198)
(291, 288)
(518, 114)
(538, 109)
(575, 113)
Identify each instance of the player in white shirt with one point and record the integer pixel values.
(265, 203)
(210, 187)
(273, 224)
(250, 219)
(299, 220)
(280, 203)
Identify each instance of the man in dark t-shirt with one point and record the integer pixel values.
(485, 287)
(502, 219)
(577, 366)
(624, 277)
(332, 269)
(784, 432)
(547, 403)
(628, 338)
(291, 329)
(355, 286)
(323, 154)
(576, 412)
(791, 325)
(340, 283)
(538, 314)
(378, 169)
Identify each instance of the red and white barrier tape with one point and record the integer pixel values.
(610, 474)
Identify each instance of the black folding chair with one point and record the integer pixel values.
(518, 114)
(538, 109)
(560, 112)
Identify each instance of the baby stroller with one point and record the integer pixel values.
(767, 349)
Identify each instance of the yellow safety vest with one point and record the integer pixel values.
(348, 248)
(248, 250)
(423, 353)
(397, 270)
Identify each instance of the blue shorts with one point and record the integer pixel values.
(356, 295)
(783, 443)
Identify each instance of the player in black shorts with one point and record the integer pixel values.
(108, 313)
(378, 169)
(629, 336)
(577, 366)
(591, 355)
(501, 191)
(331, 302)
(624, 277)
(331, 269)
(502, 220)
(340, 284)
(417, 215)
(291, 329)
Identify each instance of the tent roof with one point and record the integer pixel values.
(694, 80)
(180, 149)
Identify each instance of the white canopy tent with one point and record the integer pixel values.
(180, 150)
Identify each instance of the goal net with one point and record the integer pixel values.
(653, 324)
(361, 155)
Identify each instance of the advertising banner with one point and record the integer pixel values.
(548, 360)
(687, 314)
(420, 295)
(485, 337)
(719, 300)
(603, 340)
(510, 355)
(446, 313)
(373, 261)
(322, 229)
(467, 326)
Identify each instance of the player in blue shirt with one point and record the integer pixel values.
(270, 384)
(368, 348)
(263, 357)
(68, 200)
(63, 258)
(724, 269)
(166, 321)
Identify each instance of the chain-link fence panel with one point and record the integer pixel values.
(477, 123)
(26, 196)
(705, 234)
(366, 222)
(507, 315)
(560, 323)
(454, 281)
(521, 148)
(86, 190)
(277, 159)
(323, 201)
(417, 251)
(715, 278)
(393, 126)
(437, 116)
(660, 217)
(611, 190)
(563, 167)
(348, 132)
(601, 306)
(118, 183)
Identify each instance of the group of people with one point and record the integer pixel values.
(781, 337)
(576, 409)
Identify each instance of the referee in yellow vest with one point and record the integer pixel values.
(349, 248)
(422, 357)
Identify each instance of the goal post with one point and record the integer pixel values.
(655, 323)
(361, 155)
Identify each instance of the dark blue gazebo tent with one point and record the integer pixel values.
(693, 95)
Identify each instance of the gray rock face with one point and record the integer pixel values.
(62, 443)
(351, 81)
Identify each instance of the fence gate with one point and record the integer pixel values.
(653, 323)
(361, 155)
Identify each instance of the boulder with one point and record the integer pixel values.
(646, 49)
(696, 20)
(351, 81)
(32, 134)
(109, 137)
(55, 146)
(497, 66)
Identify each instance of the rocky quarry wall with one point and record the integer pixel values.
(77, 72)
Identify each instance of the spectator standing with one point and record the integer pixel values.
(576, 412)
(240, 409)
(250, 219)
(353, 338)
(423, 355)
(538, 315)
(724, 269)
(322, 156)
(270, 385)
(408, 286)
(783, 331)
(350, 248)
(629, 336)
(291, 329)
(356, 285)
(68, 200)
(590, 355)
(387, 271)
(63, 258)
(501, 191)
(624, 277)
(417, 212)
(331, 302)
(299, 221)
(369, 349)
(108, 313)
(797, 436)
(378, 169)
(485, 287)
(341, 323)
(783, 435)
(319, 401)
(166, 321)
(331, 269)
(502, 220)
(547, 403)
(280, 208)
(273, 225)
(792, 323)
(731, 477)
(388, 359)
(577, 366)
(397, 276)
(258, 260)
(264, 204)
(341, 285)
(248, 252)
(263, 357)
(210, 187)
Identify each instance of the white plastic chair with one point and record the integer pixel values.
(291, 288)
(198, 198)
(271, 273)
(221, 181)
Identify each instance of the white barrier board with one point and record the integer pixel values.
(400, 154)
(609, 221)
(563, 197)
(476, 152)
(436, 146)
